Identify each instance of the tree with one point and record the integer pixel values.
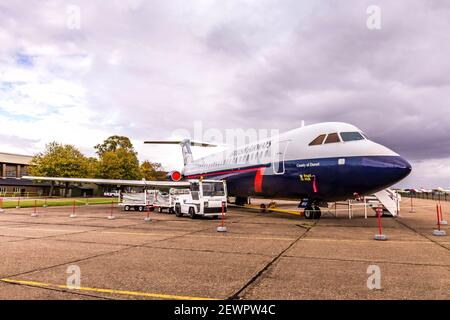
(59, 160)
(118, 160)
(152, 171)
(92, 167)
(113, 144)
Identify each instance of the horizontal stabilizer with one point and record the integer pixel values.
(192, 143)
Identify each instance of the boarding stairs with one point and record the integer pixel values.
(389, 199)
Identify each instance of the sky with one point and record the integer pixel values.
(77, 72)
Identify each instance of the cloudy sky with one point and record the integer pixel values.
(147, 69)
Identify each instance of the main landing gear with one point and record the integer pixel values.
(241, 201)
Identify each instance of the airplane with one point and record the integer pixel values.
(317, 164)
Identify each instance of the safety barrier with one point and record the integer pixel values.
(222, 227)
(147, 213)
(49, 202)
(35, 213)
(73, 214)
(443, 221)
(380, 236)
(111, 213)
(438, 232)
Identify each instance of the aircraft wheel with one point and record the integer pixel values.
(192, 212)
(241, 201)
(309, 214)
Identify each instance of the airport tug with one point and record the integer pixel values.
(206, 198)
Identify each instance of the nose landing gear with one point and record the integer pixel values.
(312, 211)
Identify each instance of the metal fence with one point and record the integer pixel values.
(427, 195)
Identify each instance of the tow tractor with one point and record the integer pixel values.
(203, 198)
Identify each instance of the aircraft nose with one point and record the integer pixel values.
(383, 172)
(394, 169)
(404, 167)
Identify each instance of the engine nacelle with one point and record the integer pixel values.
(174, 175)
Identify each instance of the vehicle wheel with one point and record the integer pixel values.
(215, 217)
(317, 213)
(170, 210)
(127, 208)
(160, 210)
(192, 212)
(178, 211)
(141, 208)
(262, 208)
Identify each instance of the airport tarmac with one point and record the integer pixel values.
(262, 256)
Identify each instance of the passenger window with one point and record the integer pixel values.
(351, 136)
(318, 140)
(333, 138)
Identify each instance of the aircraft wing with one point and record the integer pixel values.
(144, 183)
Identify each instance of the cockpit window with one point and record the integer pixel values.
(351, 136)
(333, 138)
(318, 140)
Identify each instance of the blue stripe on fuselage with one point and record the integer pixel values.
(362, 175)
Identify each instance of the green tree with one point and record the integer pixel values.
(92, 167)
(113, 144)
(152, 171)
(59, 160)
(118, 160)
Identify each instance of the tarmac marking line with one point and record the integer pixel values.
(366, 261)
(366, 241)
(198, 236)
(110, 291)
(24, 228)
(260, 273)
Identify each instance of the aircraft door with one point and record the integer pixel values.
(279, 153)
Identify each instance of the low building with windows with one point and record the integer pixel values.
(14, 166)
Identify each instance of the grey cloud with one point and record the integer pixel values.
(157, 66)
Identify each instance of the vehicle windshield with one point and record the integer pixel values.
(351, 136)
(213, 189)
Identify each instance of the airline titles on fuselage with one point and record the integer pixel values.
(308, 165)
